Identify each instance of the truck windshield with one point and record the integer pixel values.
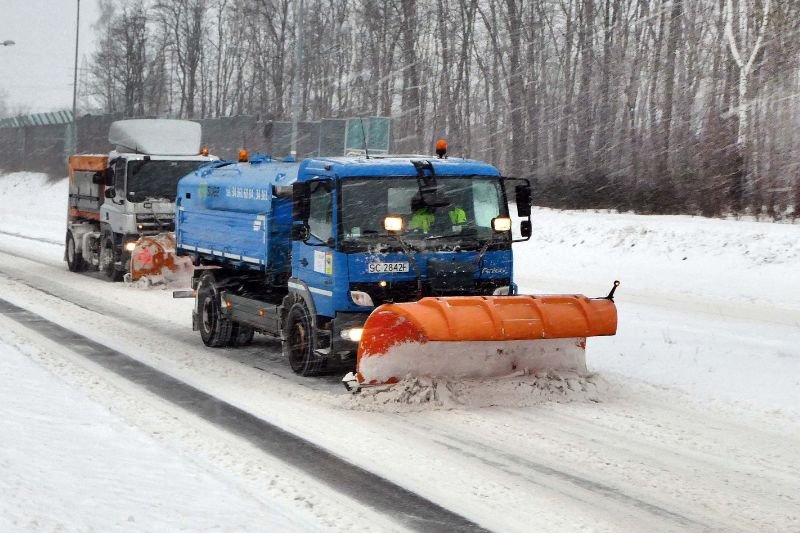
(157, 179)
(459, 213)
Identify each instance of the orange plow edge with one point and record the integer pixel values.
(154, 255)
(481, 336)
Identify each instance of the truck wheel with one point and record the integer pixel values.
(108, 259)
(241, 334)
(215, 328)
(299, 343)
(75, 261)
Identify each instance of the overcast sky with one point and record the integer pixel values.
(36, 73)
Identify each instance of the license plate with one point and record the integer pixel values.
(383, 268)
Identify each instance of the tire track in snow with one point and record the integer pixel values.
(404, 506)
(637, 512)
(732, 485)
(270, 360)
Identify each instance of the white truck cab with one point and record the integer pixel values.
(130, 193)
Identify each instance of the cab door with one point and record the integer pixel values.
(312, 258)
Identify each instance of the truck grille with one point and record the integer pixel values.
(406, 291)
(148, 223)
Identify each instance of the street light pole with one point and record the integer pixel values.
(75, 84)
(299, 15)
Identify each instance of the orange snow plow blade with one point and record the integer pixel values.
(481, 336)
(154, 255)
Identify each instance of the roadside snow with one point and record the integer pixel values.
(665, 256)
(33, 206)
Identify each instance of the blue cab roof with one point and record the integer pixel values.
(262, 168)
(360, 166)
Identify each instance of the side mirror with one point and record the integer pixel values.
(109, 192)
(526, 229)
(99, 178)
(523, 198)
(300, 232)
(301, 201)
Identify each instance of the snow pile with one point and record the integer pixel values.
(519, 390)
(34, 206)
(661, 256)
(678, 238)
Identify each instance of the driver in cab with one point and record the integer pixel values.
(423, 216)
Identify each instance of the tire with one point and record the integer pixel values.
(215, 329)
(75, 261)
(241, 334)
(108, 259)
(299, 342)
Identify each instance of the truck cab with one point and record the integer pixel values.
(396, 230)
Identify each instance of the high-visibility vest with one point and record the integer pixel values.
(458, 216)
(421, 219)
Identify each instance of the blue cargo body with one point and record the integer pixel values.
(230, 212)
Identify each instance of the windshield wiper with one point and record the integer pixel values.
(442, 236)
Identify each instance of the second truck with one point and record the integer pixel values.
(387, 266)
(121, 211)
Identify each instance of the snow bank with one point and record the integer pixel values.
(727, 260)
(34, 206)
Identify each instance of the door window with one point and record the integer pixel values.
(320, 220)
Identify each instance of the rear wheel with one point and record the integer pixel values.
(215, 328)
(75, 261)
(299, 343)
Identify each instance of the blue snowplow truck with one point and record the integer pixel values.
(306, 251)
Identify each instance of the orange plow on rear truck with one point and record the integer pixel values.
(154, 255)
(480, 336)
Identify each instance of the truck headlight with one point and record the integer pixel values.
(130, 246)
(505, 290)
(501, 224)
(361, 298)
(393, 224)
(352, 334)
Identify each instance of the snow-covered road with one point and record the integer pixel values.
(692, 422)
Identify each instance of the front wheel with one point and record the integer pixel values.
(108, 260)
(75, 261)
(299, 341)
(215, 328)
